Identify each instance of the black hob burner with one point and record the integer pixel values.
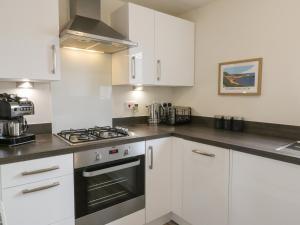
(80, 136)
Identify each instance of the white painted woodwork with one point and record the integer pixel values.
(29, 29)
(137, 218)
(42, 207)
(263, 191)
(160, 37)
(174, 48)
(206, 180)
(158, 179)
(135, 66)
(11, 174)
(177, 175)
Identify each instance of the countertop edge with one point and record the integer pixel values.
(74, 149)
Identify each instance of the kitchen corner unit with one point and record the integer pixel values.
(165, 52)
(29, 40)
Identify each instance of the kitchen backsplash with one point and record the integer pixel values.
(82, 98)
(123, 94)
(41, 97)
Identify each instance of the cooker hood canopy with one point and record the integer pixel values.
(85, 30)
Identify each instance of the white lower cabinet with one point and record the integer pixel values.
(264, 191)
(158, 179)
(42, 195)
(177, 175)
(205, 184)
(39, 206)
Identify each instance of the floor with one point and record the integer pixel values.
(171, 223)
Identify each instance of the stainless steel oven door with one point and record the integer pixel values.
(109, 191)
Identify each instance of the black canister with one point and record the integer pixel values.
(219, 122)
(227, 122)
(238, 124)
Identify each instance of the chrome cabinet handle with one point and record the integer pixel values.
(150, 149)
(54, 58)
(27, 191)
(204, 153)
(158, 70)
(26, 173)
(133, 67)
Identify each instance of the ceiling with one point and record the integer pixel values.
(174, 7)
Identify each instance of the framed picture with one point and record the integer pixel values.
(240, 77)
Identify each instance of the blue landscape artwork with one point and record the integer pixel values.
(239, 76)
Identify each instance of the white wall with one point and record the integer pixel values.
(40, 95)
(240, 29)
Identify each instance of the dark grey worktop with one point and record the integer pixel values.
(49, 145)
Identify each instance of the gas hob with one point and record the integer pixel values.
(81, 136)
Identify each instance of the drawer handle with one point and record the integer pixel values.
(204, 153)
(40, 171)
(27, 191)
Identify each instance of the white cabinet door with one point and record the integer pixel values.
(158, 178)
(141, 30)
(177, 175)
(29, 40)
(264, 191)
(206, 180)
(174, 47)
(41, 203)
(135, 66)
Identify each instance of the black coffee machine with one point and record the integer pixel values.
(14, 126)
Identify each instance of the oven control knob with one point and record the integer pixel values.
(98, 156)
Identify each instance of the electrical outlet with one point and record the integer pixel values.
(132, 106)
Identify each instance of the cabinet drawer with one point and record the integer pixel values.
(40, 203)
(26, 172)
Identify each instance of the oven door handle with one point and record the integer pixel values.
(111, 169)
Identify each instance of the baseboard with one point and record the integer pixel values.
(167, 218)
(178, 220)
(162, 220)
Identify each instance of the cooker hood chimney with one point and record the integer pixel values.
(85, 30)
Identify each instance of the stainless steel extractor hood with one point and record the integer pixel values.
(86, 31)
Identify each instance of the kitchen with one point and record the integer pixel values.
(94, 136)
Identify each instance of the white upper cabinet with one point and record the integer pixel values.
(29, 40)
(135, 66)
(174, 48)
(165, 52)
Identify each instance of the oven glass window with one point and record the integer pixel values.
(99, 187)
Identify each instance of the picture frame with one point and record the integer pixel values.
(242, 77)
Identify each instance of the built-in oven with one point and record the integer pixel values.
(109, 183)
